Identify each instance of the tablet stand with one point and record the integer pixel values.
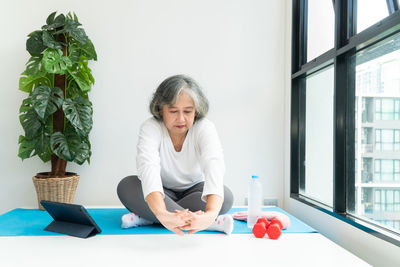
(70, 219)
(73, 229)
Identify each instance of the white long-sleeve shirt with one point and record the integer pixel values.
(201, 159)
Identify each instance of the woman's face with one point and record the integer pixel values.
(179, 117)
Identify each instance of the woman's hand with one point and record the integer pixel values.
(175, 222)
(200, 220)
(171, 221)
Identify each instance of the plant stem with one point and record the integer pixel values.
(58, 165)
(66, 53)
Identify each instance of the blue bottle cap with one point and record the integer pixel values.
(254, 176)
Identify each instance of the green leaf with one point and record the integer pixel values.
(50, 18)
(81, 79)
(87, 142)
(42, 144)
(50, 41)
(74, 51)
(75, 18)
(70, 146)
(26, 105)
(70, 25)
(88, 50)
(60, 146)
(34, 44)
(82, 153)
(33, 65)
(43, 140)
(82, 74)
(37, 145)
(25, 148)
(58, 22)
(73, 90)
(79, 113)
(79, 35)
(46, 156)
(72, 16)
(80, 147)
(46, 100)
(85, 70)
(54, 61)
(28, 82)
(30, 121)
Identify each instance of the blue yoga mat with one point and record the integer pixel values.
(31, 222)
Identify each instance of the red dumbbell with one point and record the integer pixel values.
(274, 229)
(260, 228)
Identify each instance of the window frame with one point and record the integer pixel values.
(347, 44)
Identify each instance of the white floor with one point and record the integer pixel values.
(172, 250)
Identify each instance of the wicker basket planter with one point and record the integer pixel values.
(54, 188)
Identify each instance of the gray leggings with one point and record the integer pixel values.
(131, 195)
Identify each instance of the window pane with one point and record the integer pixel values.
(321, 26)
(319, 136)
(378, 92)
(377, 201)
(370, 12)
(387, 140)
(397, 201)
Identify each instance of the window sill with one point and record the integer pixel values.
(367, 226)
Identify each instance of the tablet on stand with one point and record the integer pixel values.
(70, 219)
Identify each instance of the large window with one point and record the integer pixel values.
(345, 111)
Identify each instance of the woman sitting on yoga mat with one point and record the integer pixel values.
(180, 165)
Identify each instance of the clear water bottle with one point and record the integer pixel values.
(254, 201)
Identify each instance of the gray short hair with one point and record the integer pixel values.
(168, 91)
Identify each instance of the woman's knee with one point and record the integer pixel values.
(129, 186)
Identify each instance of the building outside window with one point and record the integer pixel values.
(378, 93)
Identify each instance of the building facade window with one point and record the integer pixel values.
(387, 109)
(387, 170)
(387, 139)
(387, 200)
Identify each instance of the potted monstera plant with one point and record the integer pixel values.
(56, 115)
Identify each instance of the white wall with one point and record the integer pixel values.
(371, 249)
(234, 48)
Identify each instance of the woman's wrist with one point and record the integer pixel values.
(213, 205)
(156, 203)
(160, 213)
(212, 214)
